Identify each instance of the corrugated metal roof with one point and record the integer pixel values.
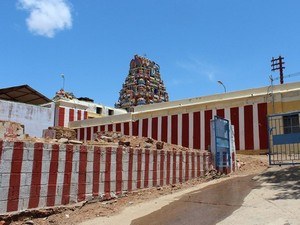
(24, 94)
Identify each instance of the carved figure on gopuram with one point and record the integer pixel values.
(143, 85)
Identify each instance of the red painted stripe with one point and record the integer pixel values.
(61, 117)
(118, 127)
(81, 134)
(193, 164)
(145, 128)
(82, 173)
(233, 161)
(147, 164)
(35, 187)
(79, 115)
(262, 125)
(102, 128)
(67, 175)
(154, 168)
(154, 128)
(208, 117)
(187, 170)
(196, 134)
(174, 129)
(164, 128)
(209, 164)
(130, 169)
(107, 173)
(95, 129)
(174, 168)
(96, 170)
(119, 170)
(168, 167)
(77, 133)
(88, 133)
(126, 128)
(85, 115)
(51, 193)
(180, 166)
(139, 169)
(220, 113)
(15, 177)
(234, 117)
(71, 115)
(1, 149)
(162, 165)
(204, 163)
(135, 128)
(198, 165)
(110, 127)
(249, 142)
(185, 130)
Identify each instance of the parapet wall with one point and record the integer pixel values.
(36, 175)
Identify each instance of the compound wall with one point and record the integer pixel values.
(192, 129)
(187, 122)
(35, 175)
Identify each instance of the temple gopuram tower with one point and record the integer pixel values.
(142, 86)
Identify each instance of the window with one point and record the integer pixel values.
(98, 110)
(291, 124)
(110, 112)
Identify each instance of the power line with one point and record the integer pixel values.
(287, 76)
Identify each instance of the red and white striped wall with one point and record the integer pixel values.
(193, 129)
(36, 175)
(64, 115)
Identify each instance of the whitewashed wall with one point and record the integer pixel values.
(34, 118)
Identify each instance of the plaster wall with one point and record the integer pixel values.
(34, 118)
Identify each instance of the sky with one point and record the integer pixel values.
(195, 42)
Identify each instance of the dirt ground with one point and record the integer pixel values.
(248, 164)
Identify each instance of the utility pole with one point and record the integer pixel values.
(277, 64)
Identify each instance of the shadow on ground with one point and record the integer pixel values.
(287, 181)
(205, 206)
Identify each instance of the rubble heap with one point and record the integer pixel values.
(143, 85)
(62, 135)
(59, 132)
(11, 130)
(114, 139)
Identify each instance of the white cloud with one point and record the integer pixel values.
(47, 16)
(197, 67)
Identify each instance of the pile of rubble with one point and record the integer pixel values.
(59, 132)
(13, 131)
(249, 164)
(109, 138)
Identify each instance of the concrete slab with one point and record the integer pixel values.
(275, 201)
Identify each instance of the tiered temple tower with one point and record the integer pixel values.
(143, 85)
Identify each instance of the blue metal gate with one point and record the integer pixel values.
(284, 138)
(222, 143)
